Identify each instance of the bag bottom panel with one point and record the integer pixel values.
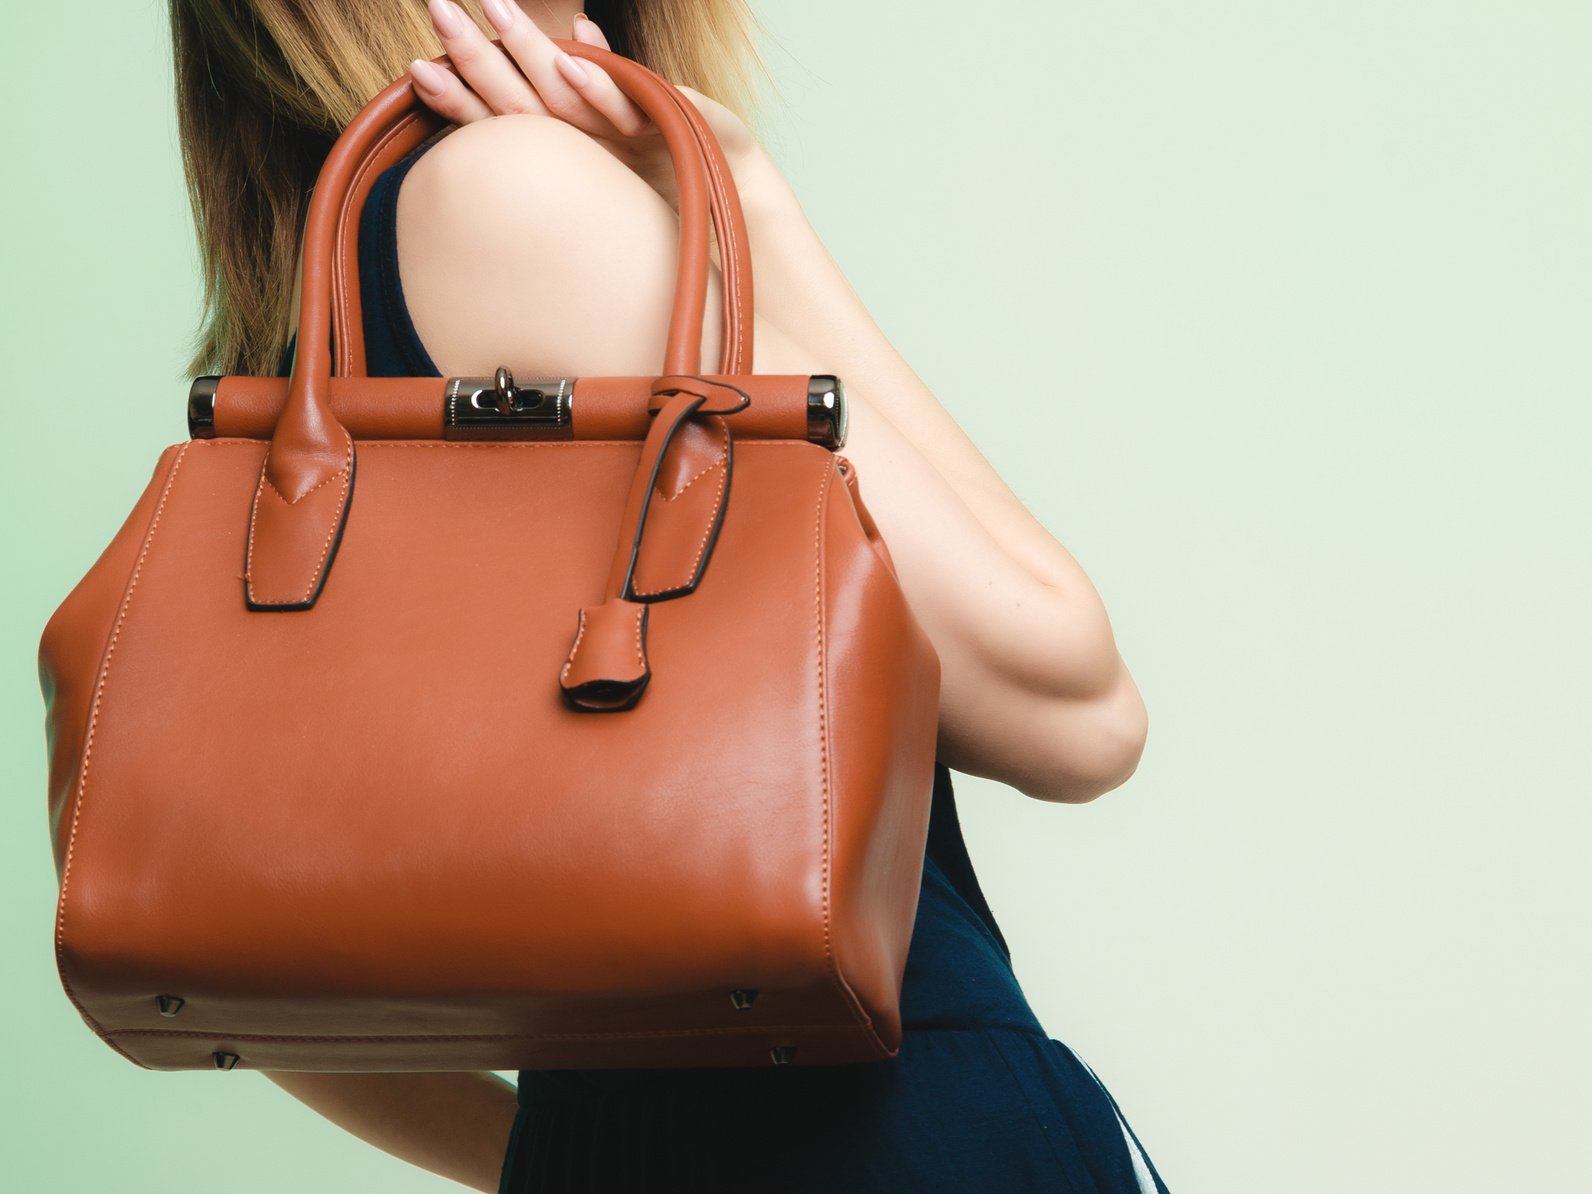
(754, 1045)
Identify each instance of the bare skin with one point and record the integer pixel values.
(576, 278)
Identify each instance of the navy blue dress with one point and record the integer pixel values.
(979, 1098)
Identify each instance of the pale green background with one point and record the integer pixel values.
(1278, 314)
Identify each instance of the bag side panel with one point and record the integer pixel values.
(72, 652)
(883, 691)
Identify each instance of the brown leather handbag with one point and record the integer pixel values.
(369, 750)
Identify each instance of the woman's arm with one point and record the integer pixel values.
(1034, 692)
(576, 278)
(454, 1125)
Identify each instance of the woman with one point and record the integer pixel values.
(540, 235)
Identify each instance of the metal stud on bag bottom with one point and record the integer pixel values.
(783, 1054)
(227, 1061)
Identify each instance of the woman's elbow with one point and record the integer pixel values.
(1085, 748)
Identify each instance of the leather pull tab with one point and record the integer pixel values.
(607, 671)
(666, 537)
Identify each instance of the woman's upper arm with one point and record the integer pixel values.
(522, 242)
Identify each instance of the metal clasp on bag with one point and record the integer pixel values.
(475, 408)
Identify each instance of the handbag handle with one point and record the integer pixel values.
(306, 481)
(406, 123)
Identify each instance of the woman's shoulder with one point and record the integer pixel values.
(515, 233)
(514, 149)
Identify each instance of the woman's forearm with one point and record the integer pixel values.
(802, 291)
(454, 1125)
(1034, 692)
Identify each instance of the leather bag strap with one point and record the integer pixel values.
(410, 124)
(307, 478)
(412, 128)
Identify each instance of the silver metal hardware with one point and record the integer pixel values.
(783, 1054)
(226, 1061)
(169, 1005)
(202, 407)
(827, 417)
(498, 407)
(743, 1000)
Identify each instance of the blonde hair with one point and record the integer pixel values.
(265, 86)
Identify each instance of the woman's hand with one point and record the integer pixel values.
(525, 73)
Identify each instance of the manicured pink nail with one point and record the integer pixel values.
(431, 79)
(572, 70)
(447, 17)
(501, 13)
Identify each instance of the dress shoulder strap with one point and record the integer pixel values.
(392, 347)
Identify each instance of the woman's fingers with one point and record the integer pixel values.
(555, 76)
(523, 73)
(602, 94)
(445, 95)
(493, 78)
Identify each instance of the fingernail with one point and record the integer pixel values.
(586, 30)
(448, 19)
(429, 78)
(572, 70)
(501, 13)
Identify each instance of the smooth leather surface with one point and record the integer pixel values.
(375, 824)
(374, 835)
(78, 645)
